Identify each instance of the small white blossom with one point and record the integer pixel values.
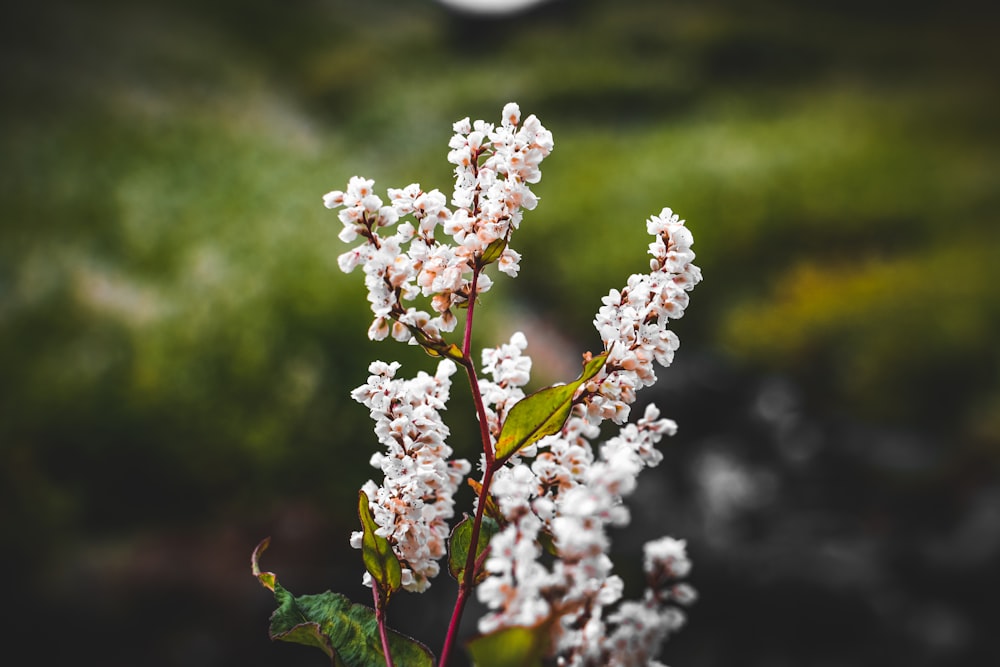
(667, 556)
(506, 364)
(683, 594)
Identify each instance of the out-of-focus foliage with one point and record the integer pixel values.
(177, 344)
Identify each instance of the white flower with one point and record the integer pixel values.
(666, 555)
(632, 322)
(511, 114)
(683, 594)
(415, 500)
(349, 260)
(514, 592)
(506, 364)
(333, 199)
(640, 629)
(514, 487)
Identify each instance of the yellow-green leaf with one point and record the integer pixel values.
(493, 251)
(380, 561)
(511, 647)
(492, 509)
(461, 541)
(266, 579)
(542, 413)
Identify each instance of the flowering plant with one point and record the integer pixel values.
(535, 549)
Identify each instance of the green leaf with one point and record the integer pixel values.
(460, 542)
(345, 631)
(292, 621)
(493, 251)
(534, 417)
(511, 647)
(436, 347)
(454, 352)
(380, 561)
(542, 413)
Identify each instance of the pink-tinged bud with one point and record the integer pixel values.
(333, 199)
(511, 114)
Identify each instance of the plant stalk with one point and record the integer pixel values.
(468, 576)
(383, 633)
(465, 586)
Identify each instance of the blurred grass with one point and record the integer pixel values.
(176, 340)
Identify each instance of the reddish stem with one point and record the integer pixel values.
(470, 370)
(467, 337)
(383, 633)
(468, 577)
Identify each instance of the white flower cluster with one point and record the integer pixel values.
(415, 501)
(568, 497)
(641, 627)
(494, 165)
(633, 321)
(560, 492)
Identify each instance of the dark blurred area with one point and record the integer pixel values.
(177, 343)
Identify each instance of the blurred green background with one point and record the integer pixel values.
(177, 343)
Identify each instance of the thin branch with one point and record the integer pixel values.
(468, 576)
(383, 632)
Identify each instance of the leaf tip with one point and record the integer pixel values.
(266, 579)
